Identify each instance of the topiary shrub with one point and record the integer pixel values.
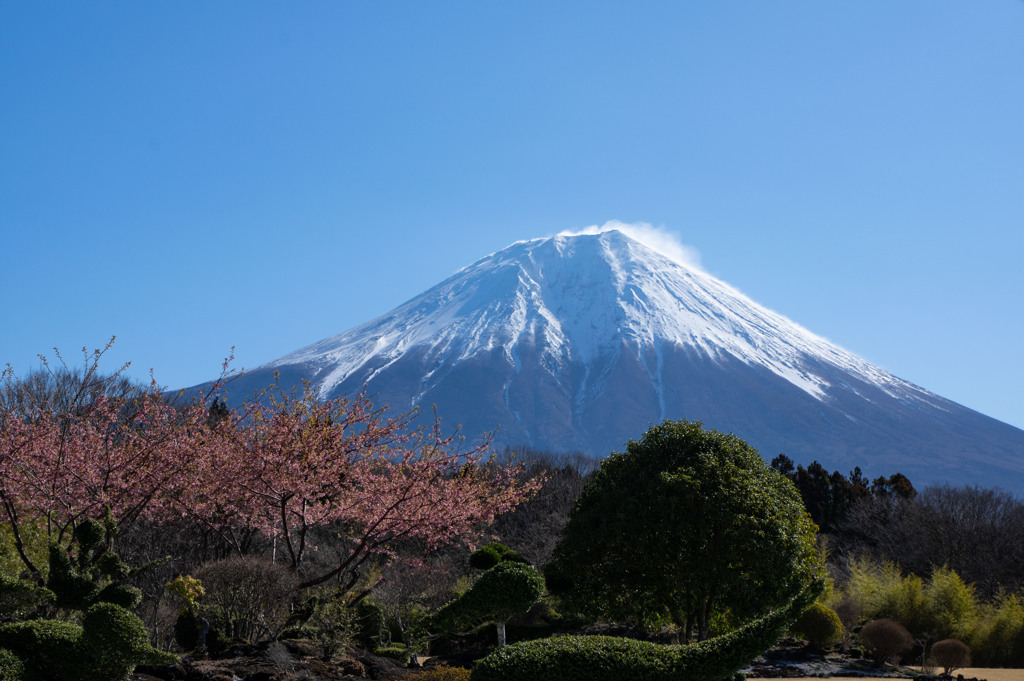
(114, 640)
(111, 640)
(18, 596)
(486, 557)
(506, 590)
(951, 654)
(820, 625)
(885, 640)
(91, 574)
(47, 648)
(107, 647)
(604, 658)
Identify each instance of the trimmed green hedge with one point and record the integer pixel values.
(605, 658)
(47, 648)
(108, 645)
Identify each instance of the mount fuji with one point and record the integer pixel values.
(580, 343)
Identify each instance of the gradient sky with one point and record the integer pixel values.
(195, 176)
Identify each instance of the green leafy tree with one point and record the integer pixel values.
(686, 523)
(508, 589)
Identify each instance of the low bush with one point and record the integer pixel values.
(605, 658)
(489, 555)
(442, 672)
(46, 647)
(951, 654)
(247, 597)
(395, 651)
(820, 625)
(114, 640)
(885, 640)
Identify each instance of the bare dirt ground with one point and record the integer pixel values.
(968, 673)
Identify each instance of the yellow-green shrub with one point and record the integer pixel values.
(820, 625)
(951, 603)
(442, 672)
(997, 638)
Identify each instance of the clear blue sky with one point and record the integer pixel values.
(192, 176)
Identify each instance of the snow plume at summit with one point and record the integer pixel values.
(656, 238)
(581, 341)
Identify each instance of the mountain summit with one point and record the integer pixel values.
(579, 343)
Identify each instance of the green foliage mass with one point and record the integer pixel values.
(486, 557)
(604, 658)
(997, 639)
(11, 666)
(506, 590)
(943, 606)
(820, 625)
(685, 524)
(107, 646)
(19, 597)
(111, 639)
(92, 574)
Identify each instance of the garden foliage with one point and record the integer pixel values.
(508, 589)
(685, 524)
(820, 625)
(110, 641)
(605, 658)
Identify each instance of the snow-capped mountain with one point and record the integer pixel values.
(579, 343)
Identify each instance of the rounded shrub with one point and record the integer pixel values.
(885, 640)
(247, 597)
(114, 640)
(486, 557)
(48, 648)
(820, 625)
(951, 654)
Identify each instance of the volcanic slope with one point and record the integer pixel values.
(579, 343)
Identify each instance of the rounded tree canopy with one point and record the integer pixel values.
(686, 523)
(506, 590)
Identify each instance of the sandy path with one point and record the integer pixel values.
(970, 673)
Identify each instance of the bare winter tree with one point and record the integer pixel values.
(977, 532)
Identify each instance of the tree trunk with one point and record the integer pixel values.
(501, 634)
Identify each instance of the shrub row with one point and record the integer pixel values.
(605, 658)
(941, 605)
(106, 647)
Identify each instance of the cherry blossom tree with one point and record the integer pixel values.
(283, 466)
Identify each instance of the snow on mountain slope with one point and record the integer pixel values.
(581, 342)
(580, 296)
